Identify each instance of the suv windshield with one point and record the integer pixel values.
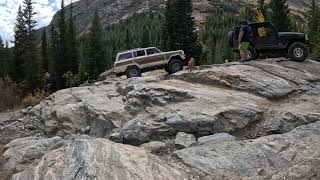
(125, 56)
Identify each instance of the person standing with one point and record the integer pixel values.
(191, 64)
(244, 39)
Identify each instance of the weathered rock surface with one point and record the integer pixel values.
(184, 140)
(294, 155)
(87, 158)
(248, 100)
(155, 146)
(14, 125)
(216, 138)
(245, 100)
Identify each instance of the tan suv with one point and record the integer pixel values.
(133, 62)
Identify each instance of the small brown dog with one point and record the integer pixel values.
(191, 64)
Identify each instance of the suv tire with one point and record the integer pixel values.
(251, 54)
(133, 71)
(174, 66)
(298, 52)
(166, 68)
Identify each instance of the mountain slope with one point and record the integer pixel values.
(112, 11)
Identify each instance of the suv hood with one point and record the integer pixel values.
(181, 52)
(291, 35)
(170, 53)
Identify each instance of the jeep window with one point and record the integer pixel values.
(125, 56)
(271, 31)
(152, 51)
(139, 53)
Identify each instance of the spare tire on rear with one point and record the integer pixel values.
(298, 52)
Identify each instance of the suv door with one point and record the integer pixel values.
(268, 39)
(153, 58)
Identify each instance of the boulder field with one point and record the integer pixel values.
(254, 120)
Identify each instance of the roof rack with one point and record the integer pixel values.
(135, 49)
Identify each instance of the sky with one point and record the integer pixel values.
(45, 10)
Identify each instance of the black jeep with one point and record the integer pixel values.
(267, 42)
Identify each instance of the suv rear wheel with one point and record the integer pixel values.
(174, 66)
(166, 68)
(133, 71)
(298, 52)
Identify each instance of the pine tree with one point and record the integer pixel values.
(179, 28)
(314, 30)
(9, 66)
(280, 15)
(96, 52)
(128, 41)
(20, 35)
(44, 51)
(54, 66)
(31, 67)
(2, 58)
(145, 41)
(1, 42)
(72, 44)
(316, 51)
(313, 23)
(61, 63)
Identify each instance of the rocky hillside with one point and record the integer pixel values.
(112, 11)
(257, 120)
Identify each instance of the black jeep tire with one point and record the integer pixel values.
(175, 65)
(298, 52)
(251, 54)
(133, 71)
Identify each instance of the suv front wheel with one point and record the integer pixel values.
(298, 52)
(133, 71)
(174, 66)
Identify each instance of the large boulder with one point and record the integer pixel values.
(68, 111)
(135, 133)
(246, 100)
(268, 78)
(250, 100)
(87, 158)
(293, 155)
(25, 151)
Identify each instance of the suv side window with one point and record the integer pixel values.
(125, 56)
(152, 51)
(139, 53)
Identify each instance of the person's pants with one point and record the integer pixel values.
(244, 46)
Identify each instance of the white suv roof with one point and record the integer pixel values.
(136, 49)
